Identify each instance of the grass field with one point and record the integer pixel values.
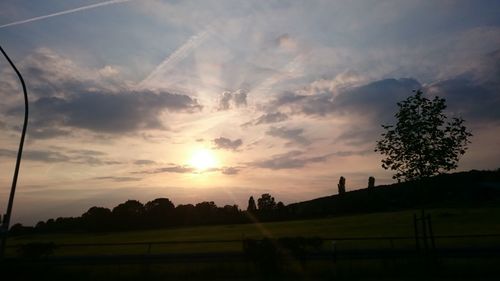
(445, 222)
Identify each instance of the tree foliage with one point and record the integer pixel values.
(158, 213)
(251, 205)
(423, 142)
(266, 202)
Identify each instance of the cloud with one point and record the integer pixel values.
(107, 112)
(178, 169)
(230, 170)
(60, 101)
(471, 100)
(294, 136)
(475, 94)
(184, 169)
(347, 153)
(86, 157)
(375, 99)
(225, 143)
(109, 71)
(7, 153)
(356, 136)
(144, 162)
(286, 42)
(228, 100)
(268, 118)
(118, 179)
(290, 160)
(46, 132)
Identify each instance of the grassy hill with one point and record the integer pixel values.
(464, 189)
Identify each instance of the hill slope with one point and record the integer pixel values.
(464, 189)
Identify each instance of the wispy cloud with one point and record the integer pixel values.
(93, 6)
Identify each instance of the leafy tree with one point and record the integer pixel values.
(128, 215)
(423, 142)
(159, 212)
(131, 208)
(97, 218)
(159, 206)
(266, 202)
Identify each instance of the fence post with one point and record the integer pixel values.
(334, 251)
(424, 231)
(431, 232)
(415, 226)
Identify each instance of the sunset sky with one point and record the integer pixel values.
(215, 100)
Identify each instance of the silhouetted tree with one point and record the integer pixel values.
(266, 202)
(230, 214)
(97, 219)
(280, 205)
(341, 185)
(251, 205)
(159, 212)
(40, 226)
(128, 215)
(422, 143)
(184, 214)
(371, 182)
(19, 229)
(206, 212)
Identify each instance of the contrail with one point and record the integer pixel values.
(65, 12)
(178, 55)
(286, 72)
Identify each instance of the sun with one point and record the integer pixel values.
(203, 159)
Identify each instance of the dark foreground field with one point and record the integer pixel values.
(367, 247)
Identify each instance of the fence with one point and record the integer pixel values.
(483, 245)
(340, 258)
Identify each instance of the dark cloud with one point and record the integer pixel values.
(271, 118)
(7, 153)
(118, 179)
(170, 169)
(46, 132)
(317, 105)
(64, 96)
(290, 160)
(106, 112)
(268, 118)
(360, 136)
(347, 153)
(228, 99)
(230, 170)
(144, 162)
(182, 169)
(87, 157)
(294, 136)
(225, 143)
(376, 99)
(474, 95)
(87, 152)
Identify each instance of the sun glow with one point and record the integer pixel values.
(203, 159)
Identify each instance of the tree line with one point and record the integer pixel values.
(159, 213)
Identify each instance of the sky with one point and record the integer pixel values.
(216, 100)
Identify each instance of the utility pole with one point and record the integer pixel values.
(4, 229)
